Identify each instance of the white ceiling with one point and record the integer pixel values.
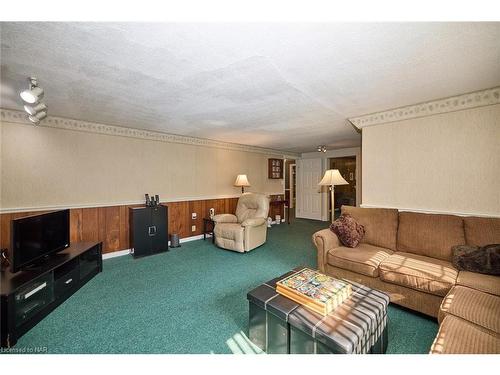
(283, 86)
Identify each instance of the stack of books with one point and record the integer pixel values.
(314, 290)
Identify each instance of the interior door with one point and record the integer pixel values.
(309, 173)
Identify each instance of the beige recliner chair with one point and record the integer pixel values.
(248, 228)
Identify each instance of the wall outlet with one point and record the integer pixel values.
(193, 228)
(193, 215)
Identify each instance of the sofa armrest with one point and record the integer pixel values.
(325, 240)
(254, 222)
(225, 218)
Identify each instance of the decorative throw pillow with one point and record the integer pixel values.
(481, 259)
(348, 230)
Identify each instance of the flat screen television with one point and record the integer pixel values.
(36, 237)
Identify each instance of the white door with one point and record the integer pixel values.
(309, 173)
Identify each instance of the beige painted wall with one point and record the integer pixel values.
(445, 163)
(44, 166)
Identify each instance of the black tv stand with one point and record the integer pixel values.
(40, 264)
(30, 295)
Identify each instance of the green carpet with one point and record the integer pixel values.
(191, 300)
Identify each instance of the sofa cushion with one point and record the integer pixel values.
(418, 272)
(381, 225)
(480, 231)
(457, 336)
(363, 259)
(484, 283)
(348, 230)
(474, 306)
(429, 234)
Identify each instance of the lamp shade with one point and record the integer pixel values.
(333, 177)
(241, 180)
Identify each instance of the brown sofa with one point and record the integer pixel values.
(408, 255)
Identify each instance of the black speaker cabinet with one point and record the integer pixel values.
(148, 230)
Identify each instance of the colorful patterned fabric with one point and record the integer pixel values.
(348, 230)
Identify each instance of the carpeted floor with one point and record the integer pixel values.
(191, 300)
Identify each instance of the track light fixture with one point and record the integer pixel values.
(34, 93)
(321, 148)
(36, 110)
(32, 110)
(36, 118)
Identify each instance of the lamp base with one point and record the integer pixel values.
(333, 203)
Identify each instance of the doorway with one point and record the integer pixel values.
(290, 185)
(344, 194)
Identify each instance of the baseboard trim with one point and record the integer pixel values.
(428, 211)
(191, 238)
(115, 254)
(121, 253)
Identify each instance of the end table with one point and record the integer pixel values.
(282, 203)
(208, 228)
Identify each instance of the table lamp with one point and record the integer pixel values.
(331, 178)
(242, 180)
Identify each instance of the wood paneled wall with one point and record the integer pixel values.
(111, 224)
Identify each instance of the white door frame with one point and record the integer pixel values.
(353, 151)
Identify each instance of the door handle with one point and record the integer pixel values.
(152, 230)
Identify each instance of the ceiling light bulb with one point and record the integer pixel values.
(33, 110)
(36, 118)
(33, 95)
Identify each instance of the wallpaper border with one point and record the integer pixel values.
(9, 115)
(451, 104)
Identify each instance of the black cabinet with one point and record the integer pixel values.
(29, 296)
(148, 230)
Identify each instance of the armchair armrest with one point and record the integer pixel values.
(325, 240)
(255, 222)
(225, 218)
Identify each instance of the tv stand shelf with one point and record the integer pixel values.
(30, 295)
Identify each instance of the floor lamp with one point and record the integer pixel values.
(331, 178)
